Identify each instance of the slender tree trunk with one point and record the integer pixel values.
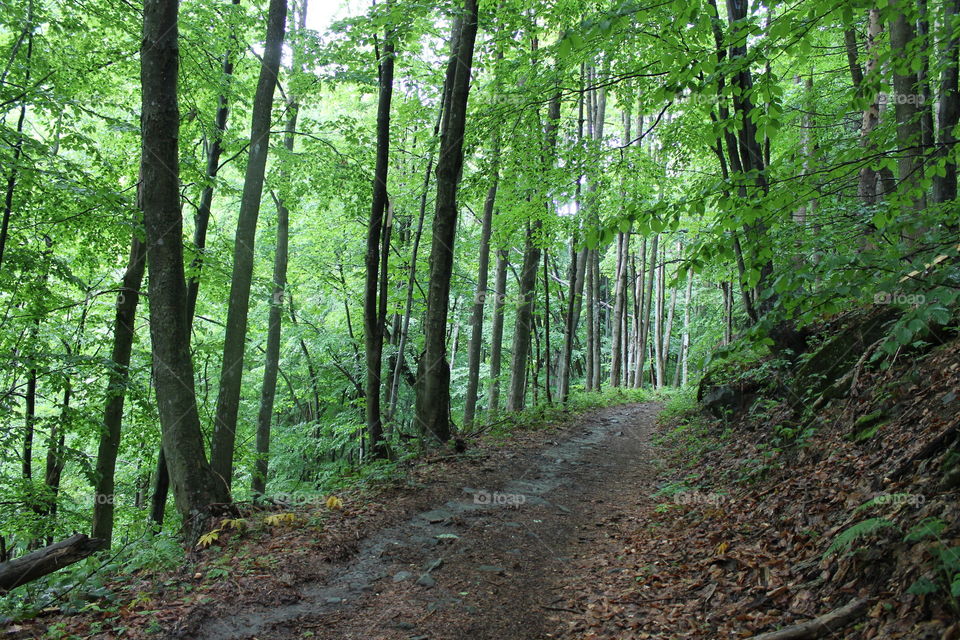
(523, 326)
(433, 380)
(195, 486)
(496, 337)
(202, 218)
(18, 145)
(619, 308)
(476, 318)
(117, 378)
(235, 340)
(546, 326)
(850, 44)
(867, 186)
(372, 320)
(576, 271)
(640, 322)
(658, 329)
(685, 340)
(271, 365)
(905, 97)
(648, 303)
(948, 110)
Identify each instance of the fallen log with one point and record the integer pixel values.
(47, 560)
(819, 627)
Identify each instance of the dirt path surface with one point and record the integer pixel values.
(490, 563)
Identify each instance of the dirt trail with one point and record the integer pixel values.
(489, 564)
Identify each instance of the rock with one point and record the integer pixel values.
(400, 576)
(426, 580)
(436, 515)
(490, 568)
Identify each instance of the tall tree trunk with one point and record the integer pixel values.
(476, 317)
(546, 326)
(201, 219)
(619, 308)
(576, 271)
(400, 364)
(496, 333)
(685, 340)
(195, 486)
(119, 375)
(948, 110)
(18, 145)
(373, 320)
(867, 187)
(640, 322)
(648, 303)
(433, 380)
(905, 97)
(271, 366)
(235, 339)
(523, 325)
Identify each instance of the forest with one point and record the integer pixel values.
(253, 251)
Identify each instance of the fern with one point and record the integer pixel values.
(845, 540)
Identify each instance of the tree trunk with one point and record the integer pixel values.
(18, 145)
(201, 219)
(909, 134)
(619, 307)
(44, 561)
(433, 380)
(235, 339)
(195, 486)
(373, 321)
(523, 326)
(496, 337)
(648, 302)
(271, 365)
(476, 318)
(867, 187)
(123, 332)
(948, 110)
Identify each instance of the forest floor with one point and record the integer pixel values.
(625, 522)
(492, 560)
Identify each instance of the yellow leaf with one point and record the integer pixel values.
(208, 538)
(236, 523)
(278, 519)
(722, 548)
(333, 502)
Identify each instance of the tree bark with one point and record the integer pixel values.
(480, 299)
(271, 366)
(868, 182)
(433, 380)
(948, 110)
(44, 561)
(123, 333)
(496, 333)
(373, 321)
(906, 109)
(195, 486)
(235, 340)
(201, 219)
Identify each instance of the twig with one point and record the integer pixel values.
(822, 626)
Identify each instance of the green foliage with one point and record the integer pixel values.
(844, 542)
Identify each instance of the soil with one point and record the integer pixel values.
(490, 558)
